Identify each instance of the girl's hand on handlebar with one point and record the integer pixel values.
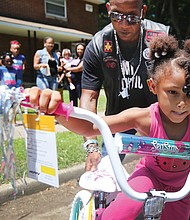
(92, 161)
(46, 100)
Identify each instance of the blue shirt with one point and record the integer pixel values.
(18, 65)
(8, 76)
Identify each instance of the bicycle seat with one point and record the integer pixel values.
(103, 179)
(97, 181)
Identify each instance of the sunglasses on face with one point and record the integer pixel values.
(131, 19)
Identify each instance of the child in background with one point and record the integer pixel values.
(19, 61)
(169, 118)
(66, 62)
(66, 57)
(8, 74)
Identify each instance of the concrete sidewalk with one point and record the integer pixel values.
(33, 186)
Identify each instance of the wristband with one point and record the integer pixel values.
(93, 141)
(92, 149)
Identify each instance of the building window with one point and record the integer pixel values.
(89, 7)
(56, 8)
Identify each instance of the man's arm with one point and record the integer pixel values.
(89, 101)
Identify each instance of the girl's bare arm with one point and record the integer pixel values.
(48, 101)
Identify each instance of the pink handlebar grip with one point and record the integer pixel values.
(62, 109)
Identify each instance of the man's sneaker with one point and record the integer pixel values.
(72, 87)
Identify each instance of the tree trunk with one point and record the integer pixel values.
(173, 6)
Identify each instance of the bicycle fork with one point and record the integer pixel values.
(100, 203)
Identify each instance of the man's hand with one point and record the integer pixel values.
(92, 161)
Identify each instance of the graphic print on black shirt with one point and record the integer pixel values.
(130, 79)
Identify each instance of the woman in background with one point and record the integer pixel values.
(46, 65)
(76, 73)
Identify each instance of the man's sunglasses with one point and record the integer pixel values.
(131, 19)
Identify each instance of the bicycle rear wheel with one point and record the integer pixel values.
(83, 207)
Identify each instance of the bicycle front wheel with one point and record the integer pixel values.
(83, 207)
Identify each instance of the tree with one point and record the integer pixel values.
(170, 12)
(103, 16)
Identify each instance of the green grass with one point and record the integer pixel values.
(69, 149)
(69, 146)
(101, 100)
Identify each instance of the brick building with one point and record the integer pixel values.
(67, 21)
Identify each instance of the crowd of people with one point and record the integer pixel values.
(53, 69)
(145, 75)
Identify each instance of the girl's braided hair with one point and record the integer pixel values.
(165, 54)
(6, 54)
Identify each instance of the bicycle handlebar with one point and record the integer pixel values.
(76, 112)
(152, 146)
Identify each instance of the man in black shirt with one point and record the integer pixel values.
(117, 59)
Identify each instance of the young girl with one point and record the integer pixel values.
(8, 75)
(19, 61)
(66, 62)
(168, 118)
